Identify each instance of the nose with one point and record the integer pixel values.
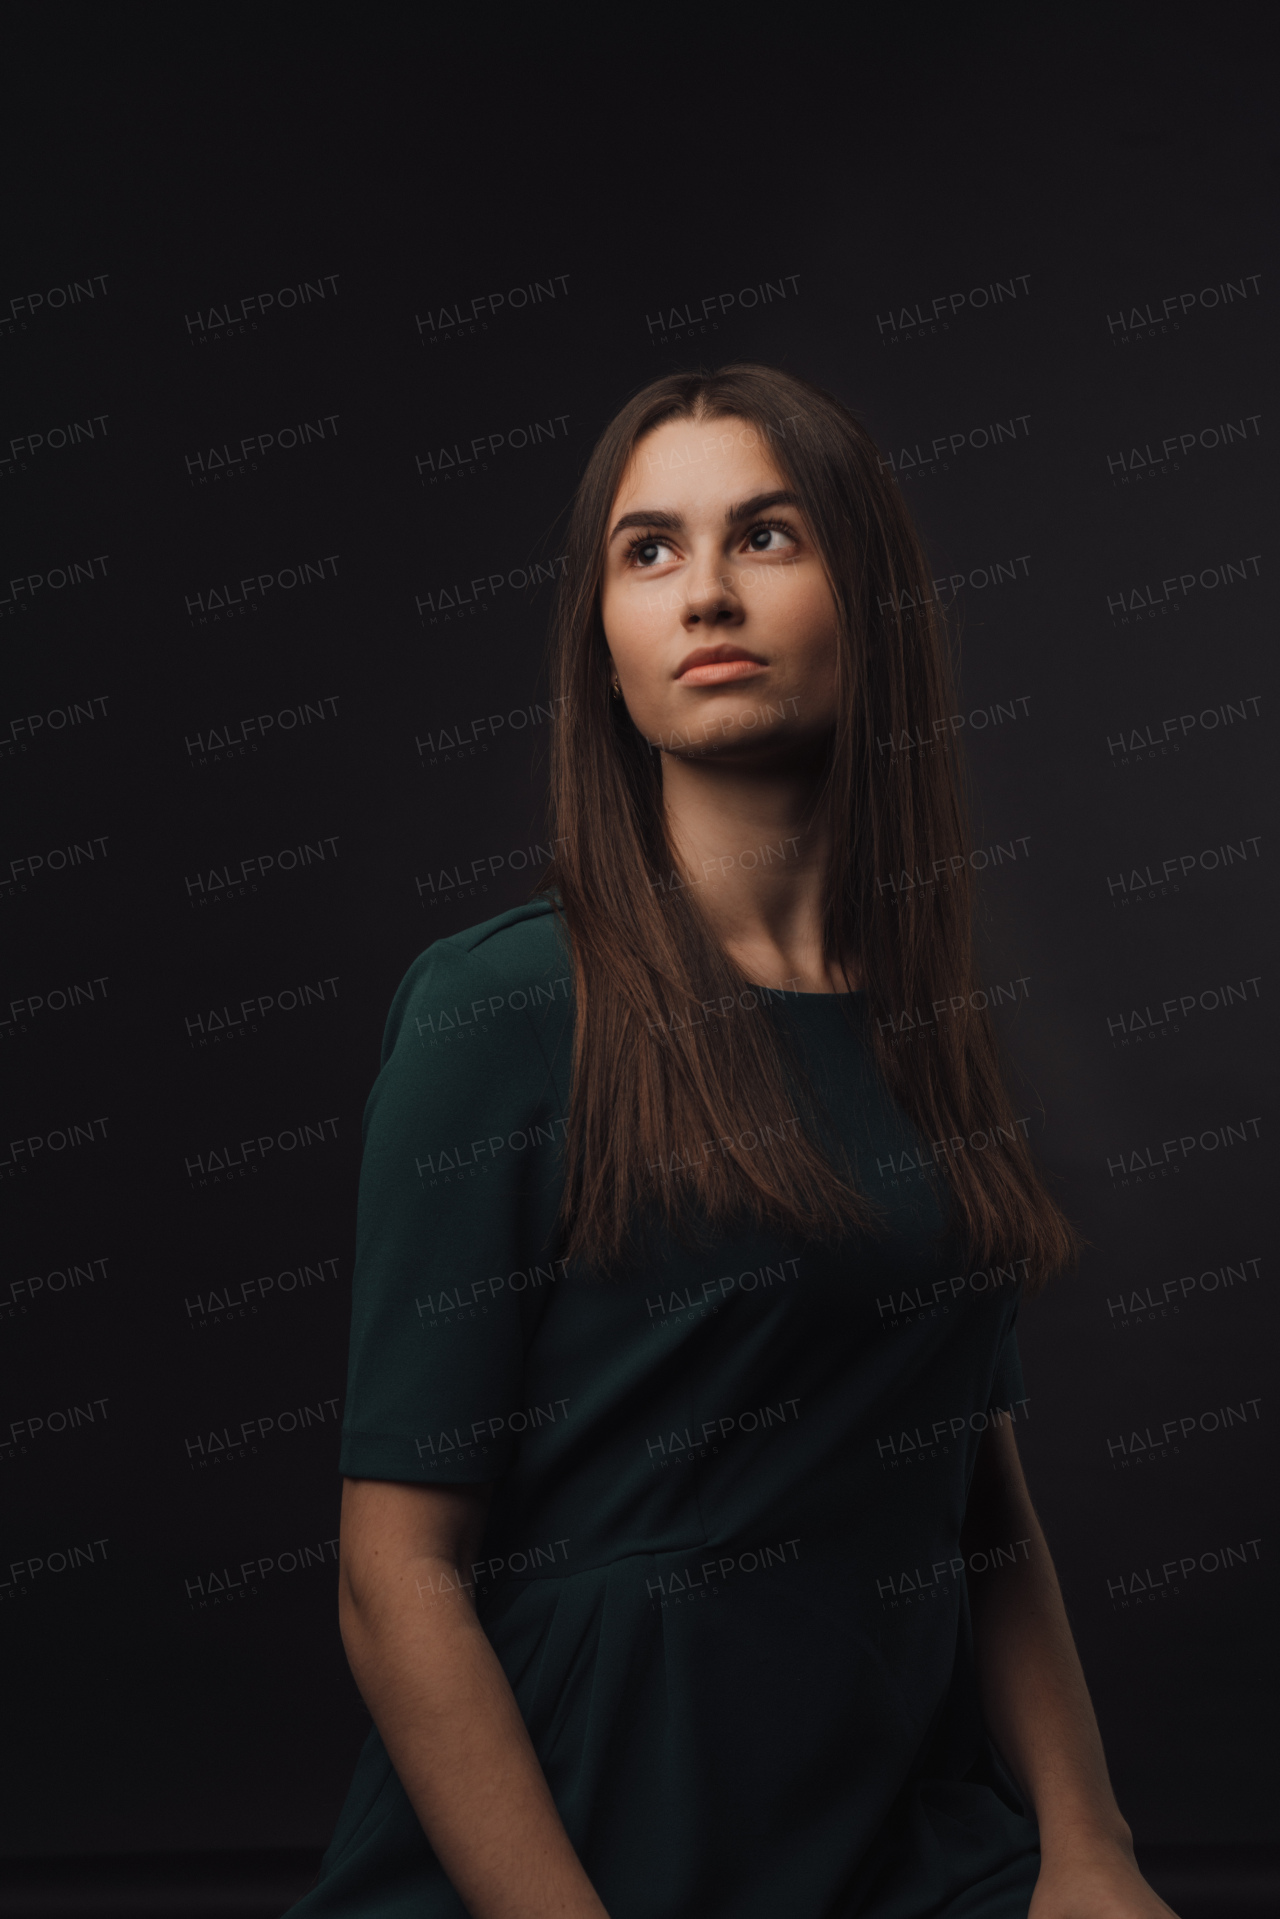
(710, 598)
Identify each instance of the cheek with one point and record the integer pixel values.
(632, 625)
(808, 617)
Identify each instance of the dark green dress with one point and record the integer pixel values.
(722, 1569)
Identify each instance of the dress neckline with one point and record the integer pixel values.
(789, 998)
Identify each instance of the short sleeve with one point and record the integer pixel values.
(1008, 1387)
(455, 1257)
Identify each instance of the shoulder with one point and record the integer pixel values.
(517, 961)
(525, 942)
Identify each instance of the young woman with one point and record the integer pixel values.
(688, 1569)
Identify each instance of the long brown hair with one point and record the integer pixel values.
(665, 1117)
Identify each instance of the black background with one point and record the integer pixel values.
(1100, 165)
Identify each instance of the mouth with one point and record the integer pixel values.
(713, 665)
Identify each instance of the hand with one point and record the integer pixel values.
(1095, 1881)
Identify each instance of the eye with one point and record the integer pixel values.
(647, 551)
(771, 536)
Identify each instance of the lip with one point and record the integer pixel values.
(714, 665)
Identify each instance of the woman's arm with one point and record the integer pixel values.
(442, 1702)
(1037, 1706)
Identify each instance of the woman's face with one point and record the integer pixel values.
(717, 610)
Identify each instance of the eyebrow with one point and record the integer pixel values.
(667, 522)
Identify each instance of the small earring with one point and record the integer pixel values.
(617, 687)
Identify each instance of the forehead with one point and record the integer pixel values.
(683, 464)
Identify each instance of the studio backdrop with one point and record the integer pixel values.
(286, 455)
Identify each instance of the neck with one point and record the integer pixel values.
(754, 845)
